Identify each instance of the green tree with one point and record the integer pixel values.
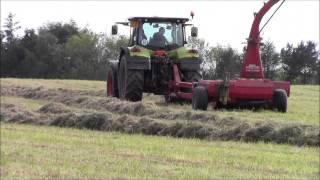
(49, 49)
(11, 26)
(2, 36)
(83, 56)
(29, 64)
(228, 61)
(50, 56)
(109, 46)
(108, 49)
(317, 69)
(300, 63)
(11, 51)
(62, 31)
(206, 54)
(270, 60)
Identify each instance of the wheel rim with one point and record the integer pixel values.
(110, 84)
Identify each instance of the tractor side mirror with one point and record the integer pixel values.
(114, 30)
(194, 31)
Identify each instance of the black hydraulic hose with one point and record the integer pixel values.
(272, 16)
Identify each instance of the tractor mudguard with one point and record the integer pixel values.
(135, 61)
(190, 64)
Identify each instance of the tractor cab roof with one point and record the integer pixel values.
(159, 19)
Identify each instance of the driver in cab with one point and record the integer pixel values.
(159, 38)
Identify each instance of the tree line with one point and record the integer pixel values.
(56, 50)
(67, 51)
(298, 64)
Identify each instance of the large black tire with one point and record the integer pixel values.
(130, 82)
(200, 98)
(112, 81)
(192, 76)
(279, 100)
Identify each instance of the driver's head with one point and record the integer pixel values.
(161, 30)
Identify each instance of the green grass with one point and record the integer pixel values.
(48, 152)
(56, 83)
(29, 151)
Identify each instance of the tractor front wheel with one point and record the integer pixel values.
(279, 100)
(130, 82)
(200, 98)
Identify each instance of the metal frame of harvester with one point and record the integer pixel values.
(250, 89)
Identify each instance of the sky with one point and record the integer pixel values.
(219, 22)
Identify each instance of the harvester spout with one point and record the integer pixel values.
(252, 67)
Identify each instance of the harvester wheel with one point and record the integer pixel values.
(280, 100)
(200, 98)
(112, 80)
(130, 82)
(192, 76)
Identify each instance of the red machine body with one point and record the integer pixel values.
(252, 67)
(244, 90)
(251, 87)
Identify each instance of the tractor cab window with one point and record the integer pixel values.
(161, 35)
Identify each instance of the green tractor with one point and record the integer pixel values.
(146, 64)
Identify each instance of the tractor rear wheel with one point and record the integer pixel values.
(200, 98)
(130, 82)
(279, 100)
(112, 81)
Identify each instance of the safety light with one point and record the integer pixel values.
(192, 14)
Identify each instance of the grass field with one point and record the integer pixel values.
(47, 152)
(33, 151)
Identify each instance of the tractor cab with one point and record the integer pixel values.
(157, 32)
(147, 64)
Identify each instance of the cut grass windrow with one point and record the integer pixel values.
(110, 114)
